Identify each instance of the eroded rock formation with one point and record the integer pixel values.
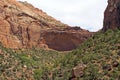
(112, 15)
(24, 26)
(65, 39)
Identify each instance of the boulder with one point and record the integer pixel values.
(78, 71)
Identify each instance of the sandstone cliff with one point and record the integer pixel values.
(112, 15)
(24, 26)
(65, 39)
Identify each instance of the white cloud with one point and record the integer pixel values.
(86, 14)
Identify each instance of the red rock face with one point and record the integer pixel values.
(112, 15)
(23, 26)
(65, 39)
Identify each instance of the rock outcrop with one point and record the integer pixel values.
(24, 26)
(78, 71)
(112, 15)
(65, 39)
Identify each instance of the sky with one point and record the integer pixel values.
(88, 14)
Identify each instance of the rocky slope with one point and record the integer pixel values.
(112, 15)
(24, 26)
(98, 58)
